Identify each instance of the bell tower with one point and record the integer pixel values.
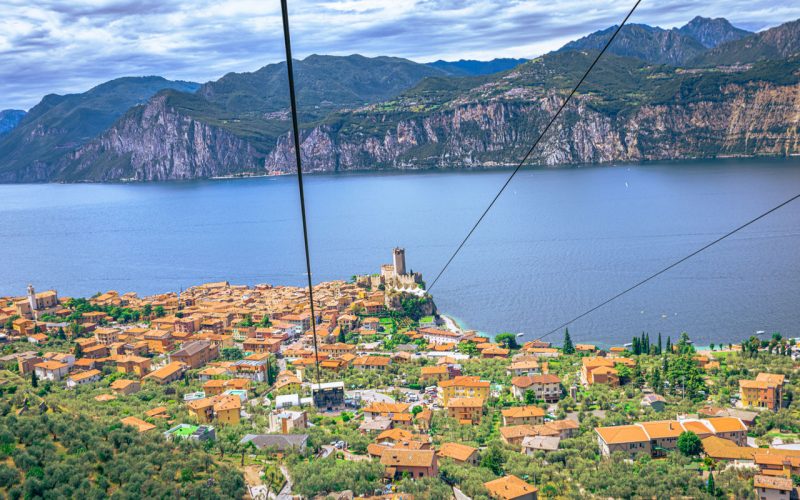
(399, 261)
(32, 297)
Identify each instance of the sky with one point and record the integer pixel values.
(54, 46)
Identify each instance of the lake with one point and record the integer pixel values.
(556, 243)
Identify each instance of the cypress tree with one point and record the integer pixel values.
(669, 345)
(711, 487)
(568, 347)
(658, 351)
(34, 379)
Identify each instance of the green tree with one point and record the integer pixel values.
(159, 311)
(507, 339)
(568, 348)
(689, 444)
(34, 379)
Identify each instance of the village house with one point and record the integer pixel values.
(544, 387)
(138, 424)
(414, 463)
(166, 374)
(463, 387)
(437, 336)
(380, 409)
(774, 488)
(518, 415)
(218, 386)
(766, 391)
(467, 411)
(434, 374)
(122, 387)
(286, 422)
(656, 438)
(459, 453)
(524, 367)
(377, 363)
(195, 354)
(531, 444)
(51, 370)
(106, 336)
(262, 346)
(599, 371)
(160, 341)
(223, 409)
(82, 378)
(136, 365)
(511, 487)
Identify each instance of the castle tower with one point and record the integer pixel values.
(32, 297)
(399, 261)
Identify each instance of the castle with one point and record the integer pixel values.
(394, 275)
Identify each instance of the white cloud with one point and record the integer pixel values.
(66, 46)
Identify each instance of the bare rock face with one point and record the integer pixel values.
(156, 142)
(748, 120)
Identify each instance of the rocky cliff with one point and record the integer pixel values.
(158, 142)
(757, 119)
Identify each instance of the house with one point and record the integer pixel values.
(218, 386)
(106, 336)
(770, 487)
(122, 387)
(224, 409)
(138, 424)
(524, 367)
(467, 411)
(414, 463)
(284, 421)
(136, 365)
(195, 354)
(459, 453)
(272, 346)
(278, 443)
(518, 415)
(656, 438)
(51, 370)
(766, 391)
(463, 387)
(166, 374)
(494, 351)
(377, 363)
(251, 368)
(159, 340)
(379, 409)
(544, 387)
(514, 434)
(82, 378)
(724, 449)
(511, 488)
(96, 351)
(532, 444)
(599, 371)
(434, 374)
(777, 462)
(437, 336)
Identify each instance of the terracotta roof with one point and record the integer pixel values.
(725, 449)
(509, 487)
(380, 407)
(456, 451)
(726, 424)
(523, 411)
(465, 402)
(771, 378)
(464, 381)
(622, 434)
(138, 423)
(156, 411)
(773, 483)
(85, 375)
(517, 431)
(372, 361)
(662, 429)
(392, 457)
(51, 365)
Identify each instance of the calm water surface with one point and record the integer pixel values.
(556, 243)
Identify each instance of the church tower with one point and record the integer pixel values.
(32, 297)
(399, 261)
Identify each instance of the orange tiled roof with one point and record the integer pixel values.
(509, 487)
(460, 452)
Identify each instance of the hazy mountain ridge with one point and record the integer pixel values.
(471, 67)
(361, 113)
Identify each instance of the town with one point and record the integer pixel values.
(228, 391)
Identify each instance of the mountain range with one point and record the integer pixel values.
(703, 90)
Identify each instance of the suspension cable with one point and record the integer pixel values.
(296, 130)
(535, 143)
(674, 264)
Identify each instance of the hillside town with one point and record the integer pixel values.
(394, 402)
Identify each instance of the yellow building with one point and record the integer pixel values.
(463, 387)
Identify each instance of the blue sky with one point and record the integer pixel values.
(54, 46)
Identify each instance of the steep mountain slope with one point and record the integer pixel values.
(59, 124)
(659, 46)
(324, 83)
(712, 32)
(780, 42)
(10, 118)
(470, 67)
(653, 45)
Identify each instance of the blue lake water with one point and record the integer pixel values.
(556, 243)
